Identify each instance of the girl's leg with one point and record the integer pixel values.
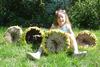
(75, 46)
(36, 55)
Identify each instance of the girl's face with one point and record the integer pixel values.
(60, 18)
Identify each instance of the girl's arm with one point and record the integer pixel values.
(53, 26)
(70, 29)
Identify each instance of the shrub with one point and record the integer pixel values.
(24, 12)
(85, 14)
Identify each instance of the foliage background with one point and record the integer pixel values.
(82, 13)
(86, 14)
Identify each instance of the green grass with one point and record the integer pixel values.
(14, 55)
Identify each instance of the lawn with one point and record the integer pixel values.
(14, 55)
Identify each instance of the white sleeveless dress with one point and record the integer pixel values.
(63, 28)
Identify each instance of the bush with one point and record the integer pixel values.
(85, 14)
(27, 12)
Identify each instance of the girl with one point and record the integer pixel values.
(61, 22)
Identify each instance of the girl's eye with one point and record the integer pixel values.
(60, 16)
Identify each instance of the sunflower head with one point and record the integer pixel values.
(13, 34)
(55, 41)
(33, 35)
(86, 38)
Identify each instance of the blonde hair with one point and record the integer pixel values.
(67, 21)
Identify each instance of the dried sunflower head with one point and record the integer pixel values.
(13, 34)
(33, 35)
(55, 41)
(86, 38)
